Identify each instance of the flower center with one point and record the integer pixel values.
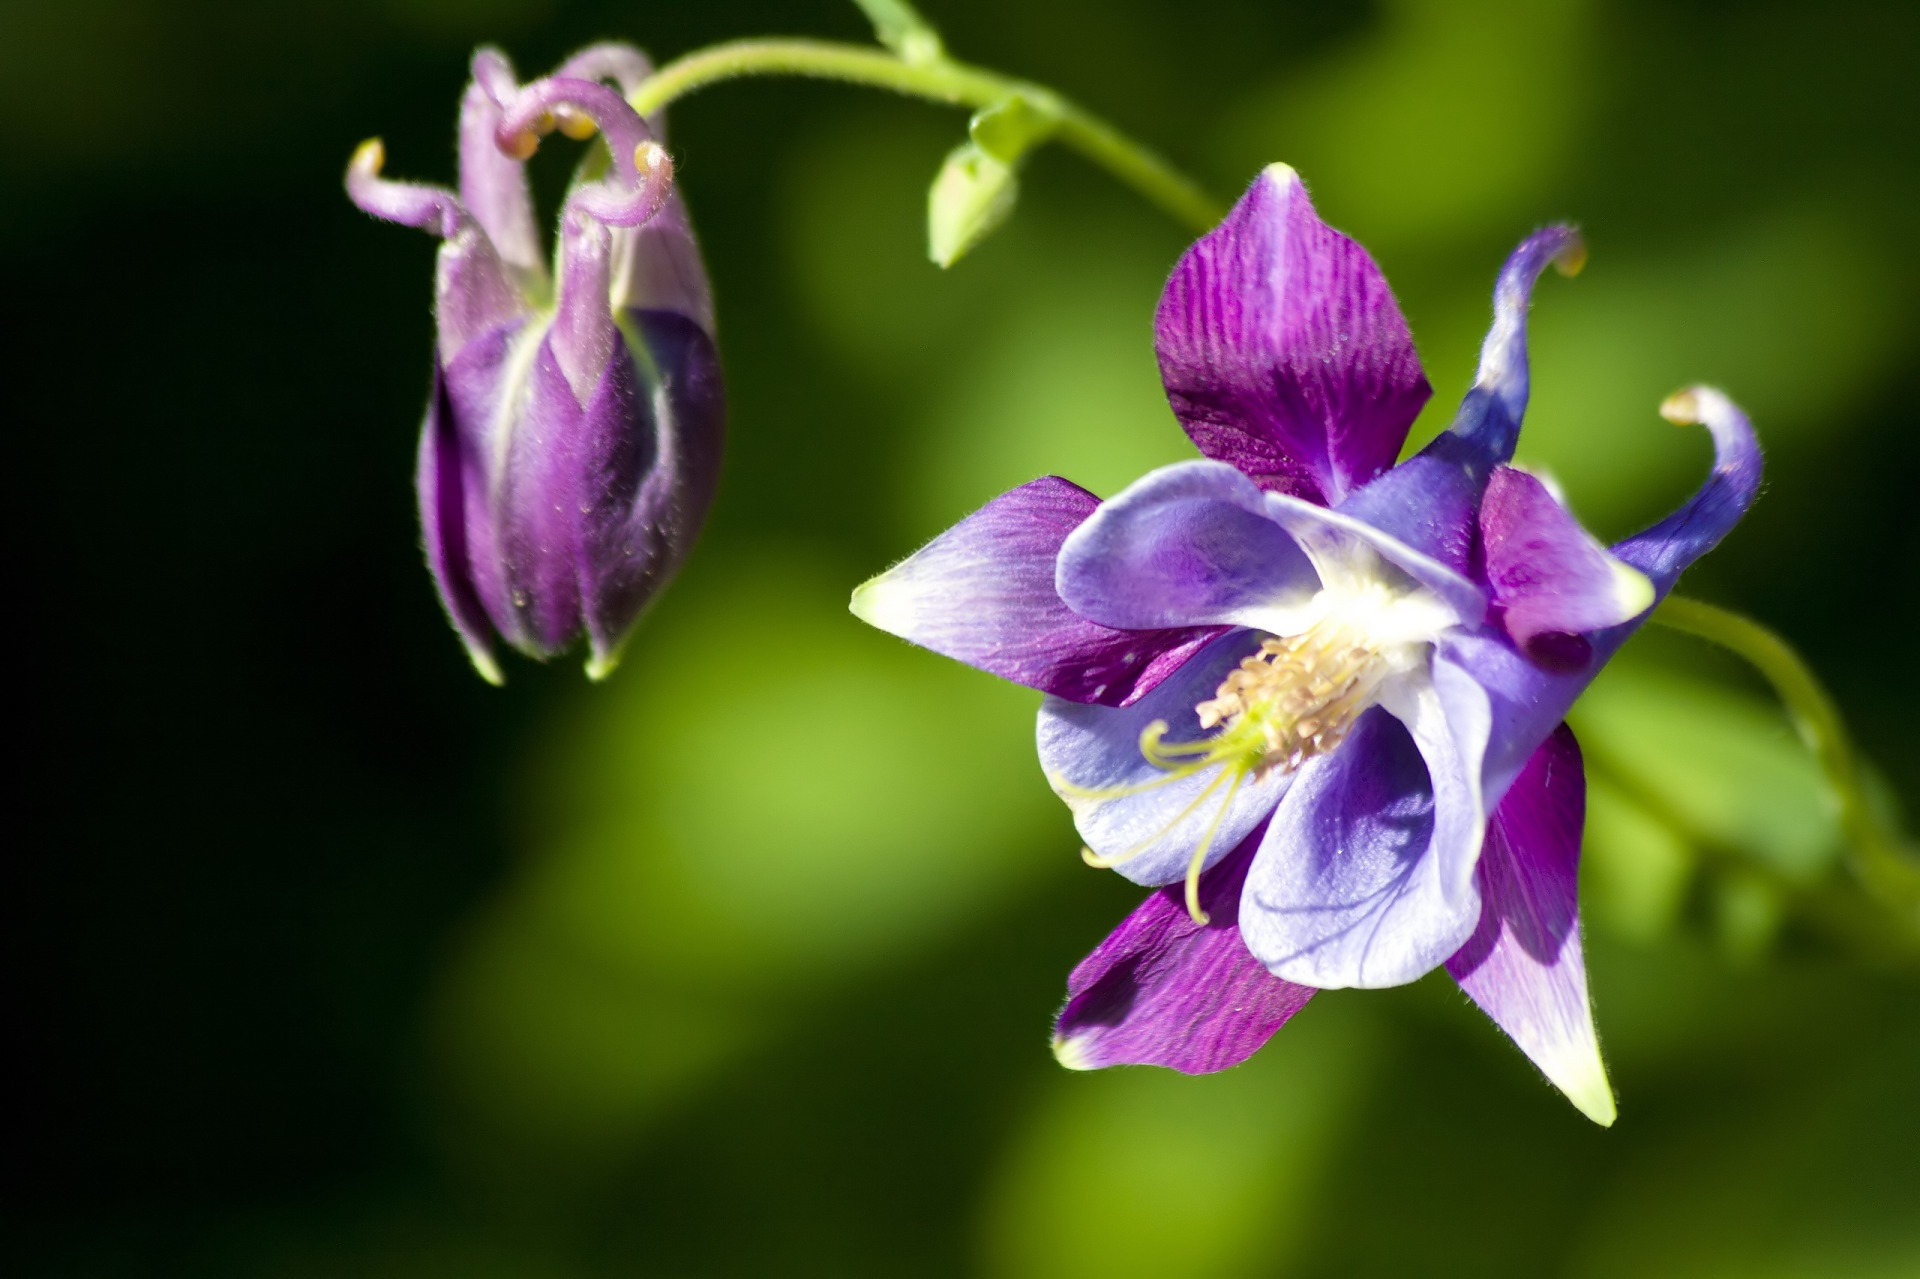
(1296, 698)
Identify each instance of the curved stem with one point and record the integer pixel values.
(940, 80)
(1881, 859)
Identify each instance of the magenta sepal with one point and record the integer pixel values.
(1163, 990)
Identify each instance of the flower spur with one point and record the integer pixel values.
(1315, 699)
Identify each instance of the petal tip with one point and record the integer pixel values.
(1592, 1096)
(1682, 408)
(1071, 1051)
(1571, 259)
(879, 606)
(485, 665)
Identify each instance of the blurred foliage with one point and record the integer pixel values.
(326, 959)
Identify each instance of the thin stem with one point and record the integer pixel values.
(940, 80)
(1881, 859)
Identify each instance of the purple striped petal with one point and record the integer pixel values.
(1366, 874)
(1529, 700)
(1165, 991)
(1189, 544)
(1523, 964)
(1550, 578)
(1154, 820)
(1429, 501)
(1283, 351)
(983, 593)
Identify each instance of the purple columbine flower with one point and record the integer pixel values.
(1314, 698)
(572, 436)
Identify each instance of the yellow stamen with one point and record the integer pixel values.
(1108, 863)
(1194, 912)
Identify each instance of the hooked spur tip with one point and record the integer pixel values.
(1572, 257)
(1070, 1051)
(651, 159)
(1682, 408)
(577, 125)
(368, 158)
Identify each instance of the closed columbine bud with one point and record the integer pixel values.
(572, 439)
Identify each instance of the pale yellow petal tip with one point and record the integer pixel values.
(1070, 1051)
(488, 669)
(878, 605)
(1682, 408)
(1579, 1074)
(1595, 1101)
(1632, 588)
(1571, 260)
(369, 158)
(601, 665)
(1282, 174)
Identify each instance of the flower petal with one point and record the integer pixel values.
(1366, 874)
(983, 593)
(1154, 819)
(1165, 991)
(1549, 576)
(1283, 351)
(1343, 548)
(1523, 964)
(1429, 500)
(1189, 544)
(1529, 700)
(444, 483)
(654, 435)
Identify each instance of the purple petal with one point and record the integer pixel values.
(1523, 964)
(1366, 874)
(657, 267)
(1147, 815)
(444, 481)
(539, 500)
(983, 593)
(655, 431)
(1429, 500)
(1549, 576)
(1529, 700)
(474, 384)
(1336, 542)
(1189, 544)
(1283, 351)
(1165, 991)
(493, 184)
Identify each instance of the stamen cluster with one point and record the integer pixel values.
(1297, 697)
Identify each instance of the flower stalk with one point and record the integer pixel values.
(1881, 859)
(937, 78)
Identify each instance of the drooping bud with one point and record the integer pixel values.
(572, 439)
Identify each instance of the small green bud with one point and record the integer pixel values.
(900, 27)
(971, 195)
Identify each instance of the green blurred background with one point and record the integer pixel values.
(323, 958)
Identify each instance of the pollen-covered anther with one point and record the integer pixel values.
(1296, 698)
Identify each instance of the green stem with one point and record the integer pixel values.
(939, 79)
(1881, 859)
